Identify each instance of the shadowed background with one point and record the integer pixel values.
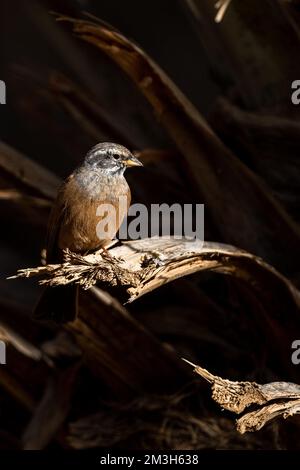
(63, 96)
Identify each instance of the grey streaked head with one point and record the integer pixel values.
(110, 157)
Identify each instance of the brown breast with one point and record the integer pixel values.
(78, 226)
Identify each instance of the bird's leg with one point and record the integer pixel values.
(101, 251)
(105, 251)
(107, 254)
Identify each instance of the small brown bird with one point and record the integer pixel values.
(73, 220)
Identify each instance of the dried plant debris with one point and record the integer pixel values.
(83, 270)
(12, 337)
(29, 174)
(52, 410)
(221, 7)
(160, 422)
(144, 265)
(276, 399)
(139, 267)
(270, 145)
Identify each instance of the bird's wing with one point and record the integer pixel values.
(54, 225)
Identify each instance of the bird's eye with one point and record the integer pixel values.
(116, 156)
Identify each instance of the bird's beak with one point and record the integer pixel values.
(133, 161)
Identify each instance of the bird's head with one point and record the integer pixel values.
(110, 157)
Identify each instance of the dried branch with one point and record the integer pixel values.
(269, 143)
(221, 7)
(21, 344)
(51, 412)
(86, 111)
(83, 270)
(280, 399)
(16, 389)
(137, 268)
(144, 265)
(28, 173)
(14, 195)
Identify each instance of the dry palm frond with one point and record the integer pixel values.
(221, 6)
(139, 267)
(273, 400)
(83, 270)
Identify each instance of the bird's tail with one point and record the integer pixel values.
(58, 304)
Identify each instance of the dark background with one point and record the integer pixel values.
(35, 44)
(64, 96)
